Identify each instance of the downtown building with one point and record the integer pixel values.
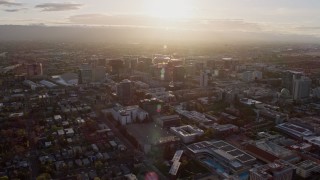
(288, 77)
(301, 88)
(277, 170)
(125, 91)
(89, 73)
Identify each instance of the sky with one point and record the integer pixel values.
(280, 16)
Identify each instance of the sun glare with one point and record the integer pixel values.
(169, 9)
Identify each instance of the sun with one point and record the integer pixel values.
(169, 9)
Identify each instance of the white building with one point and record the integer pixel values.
(187, 133)
(128, 114)
(301, 88)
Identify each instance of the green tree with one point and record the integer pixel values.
(4, 178)
(98, 165)
(44, 176)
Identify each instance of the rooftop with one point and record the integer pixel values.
(222, 148)
(273, 148)
(307, 165)
(295, 129)
(187, 130)
(268, 170)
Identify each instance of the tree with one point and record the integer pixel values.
(4, 178)
(98, 165)
(44, 176)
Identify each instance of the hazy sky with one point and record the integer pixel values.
(282, 16)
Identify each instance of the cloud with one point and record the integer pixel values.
(229, 25)
(58, 6)
(9, 3)
(308, 28)
(145, 21)
(103, 19)
(15, 10)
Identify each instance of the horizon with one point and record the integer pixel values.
(294, 18)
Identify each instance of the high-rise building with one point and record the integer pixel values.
(99, 73)
(277, 170)
(179, 73)
(125, 91)
(85, 74)
(130, 63)
(91, 73)
(287, 79)
(204, 79)
(301, 87)
(117, 66)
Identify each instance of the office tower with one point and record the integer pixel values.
(91, 73)
(85, 74)
(117, 66)
(287, 79)
(99, 73)
(179, 73)
(301, 87)
(125, 91)
(204, 79)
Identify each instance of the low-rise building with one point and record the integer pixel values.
(314, 140)
(128, 114)
(223, 128)
(187, 133)
(294, 130)
(306, 168)
(194, 116)
(277, 170)
(167, 121)
(276, 150)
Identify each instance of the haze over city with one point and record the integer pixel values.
(254, 20)
(159, 90)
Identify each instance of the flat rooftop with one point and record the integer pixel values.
(222, 148)
(295, 129)
(313, 140)
(307, 165)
